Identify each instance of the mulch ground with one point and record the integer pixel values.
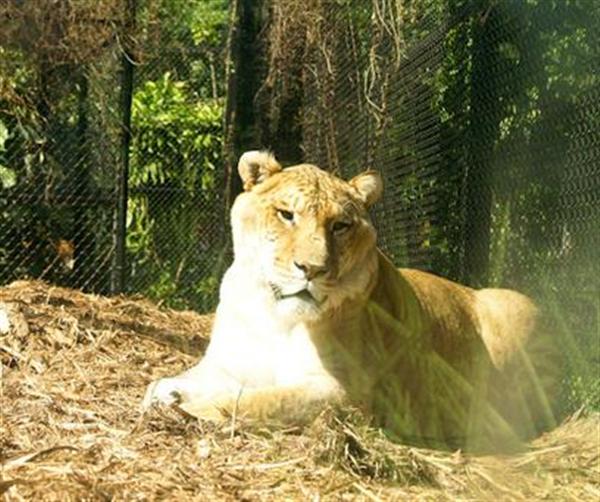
(74, 370)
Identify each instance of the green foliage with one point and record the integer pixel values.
(60, 137)
(190, 41)
(176, 140)
(173, 185)
(208, 22)
(175, 221)
(8, 177)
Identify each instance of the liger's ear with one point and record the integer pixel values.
(369, 186)
(256, 166)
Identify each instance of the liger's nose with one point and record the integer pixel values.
(311, 270)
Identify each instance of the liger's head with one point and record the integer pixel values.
(305, 233)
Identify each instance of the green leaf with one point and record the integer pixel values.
(8, 178)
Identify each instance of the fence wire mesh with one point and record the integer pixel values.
(484, 119)
(64, 105)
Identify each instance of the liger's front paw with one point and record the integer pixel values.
(185, 394)
(166, 391)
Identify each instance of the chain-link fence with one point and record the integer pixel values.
(110, 146)
(57, 167)
(484, 119)
(176, 233)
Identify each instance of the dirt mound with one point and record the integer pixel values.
(75, 367)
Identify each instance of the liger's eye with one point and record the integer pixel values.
(340, 226)
(285, 215)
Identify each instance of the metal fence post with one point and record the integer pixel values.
(119, 268)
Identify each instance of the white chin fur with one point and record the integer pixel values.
(296, 308)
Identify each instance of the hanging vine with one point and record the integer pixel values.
(305, 45)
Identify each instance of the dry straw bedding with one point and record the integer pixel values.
(75, 367)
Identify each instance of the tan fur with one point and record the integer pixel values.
(312, 312)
